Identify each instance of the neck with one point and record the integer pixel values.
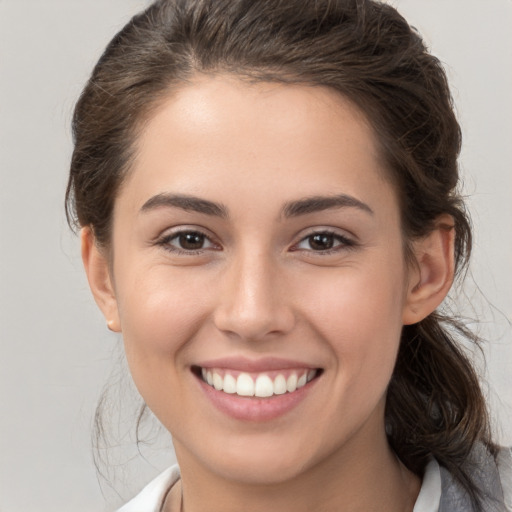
(358, 477)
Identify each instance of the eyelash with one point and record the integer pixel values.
(345, 243)
(166, 240)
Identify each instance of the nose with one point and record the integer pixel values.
(253, 302)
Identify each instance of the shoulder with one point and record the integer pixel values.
(151, 498)
(492, 474)
(504, 463)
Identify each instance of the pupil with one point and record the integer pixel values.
(321, 242)
(191, 241)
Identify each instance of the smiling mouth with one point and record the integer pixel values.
(260, 384)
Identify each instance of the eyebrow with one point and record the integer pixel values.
(185, 202)
(320, 203)
(292, 209)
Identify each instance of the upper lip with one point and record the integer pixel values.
(255, 365)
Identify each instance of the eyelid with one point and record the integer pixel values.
(172, 233)
(348, 241)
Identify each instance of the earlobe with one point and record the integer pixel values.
(100, 281)
(431, 277)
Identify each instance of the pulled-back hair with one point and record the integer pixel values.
(368, 53)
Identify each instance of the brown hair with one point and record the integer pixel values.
(368, 53)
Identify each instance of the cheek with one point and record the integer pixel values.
(359, 313)
(159, 312)
(358, 299)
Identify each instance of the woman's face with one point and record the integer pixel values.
(257, 244)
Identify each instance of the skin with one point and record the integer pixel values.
(258, 287)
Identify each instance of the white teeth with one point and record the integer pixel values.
(262, 387)
(291, 383)
(229, 384)
(218, 382)
(279, 385)
(244, 385)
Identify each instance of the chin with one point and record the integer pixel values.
(260, 462)
(260, 472)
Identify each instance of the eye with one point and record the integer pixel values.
(187, 241)
(324, 241)
(190, 241)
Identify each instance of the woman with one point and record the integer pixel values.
(267, 197)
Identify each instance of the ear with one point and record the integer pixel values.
(100, 281)
(431, 275)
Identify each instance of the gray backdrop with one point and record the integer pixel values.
(55, 350)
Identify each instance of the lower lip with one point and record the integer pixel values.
(253, 408)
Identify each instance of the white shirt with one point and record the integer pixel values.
(152, 497)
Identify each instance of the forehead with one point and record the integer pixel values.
(223, 135)
(205, 105)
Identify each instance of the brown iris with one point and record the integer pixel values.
(191, 241)
(321, 241)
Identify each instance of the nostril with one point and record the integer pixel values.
(256, 323)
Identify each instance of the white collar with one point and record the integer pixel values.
(430, 492)
(151, 498)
